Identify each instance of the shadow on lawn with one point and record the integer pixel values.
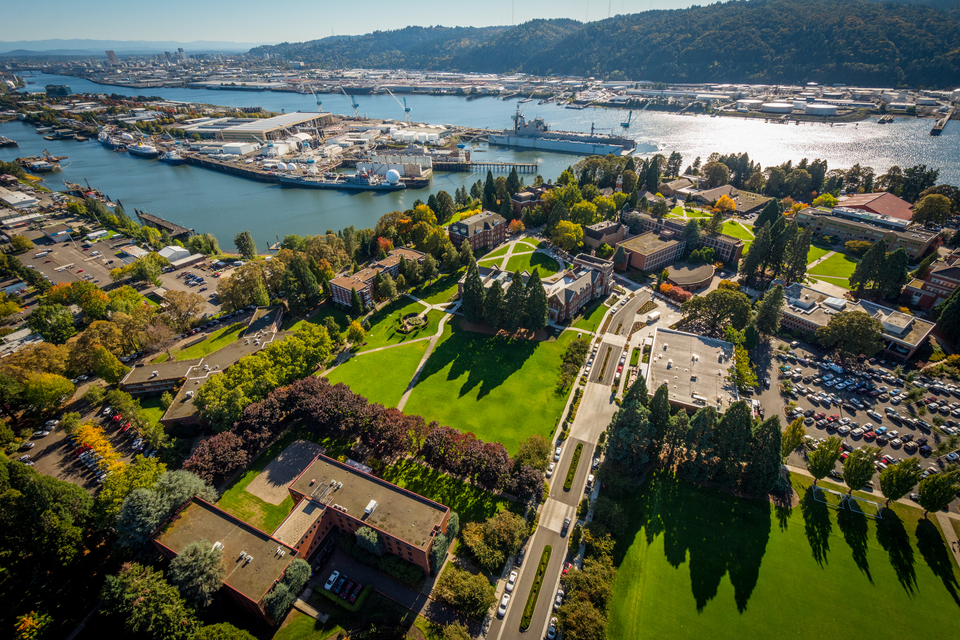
(715, 533)
(896, 542)
(817, 524)
(486, 360)
(853, 526)
(934, 550)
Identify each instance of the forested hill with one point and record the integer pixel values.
(761, 41)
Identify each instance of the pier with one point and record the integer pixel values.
(939, 126)
(175, 230)
(486, 166)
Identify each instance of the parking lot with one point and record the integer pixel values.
(71, 261)
(869, 410)
(175, 281)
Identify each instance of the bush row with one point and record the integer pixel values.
(535, 588)
(572, 471)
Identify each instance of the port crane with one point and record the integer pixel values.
(626, 125)
(406, 109)
(353, 103)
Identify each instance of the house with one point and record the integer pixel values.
(483, 230)
(808, 309)
(745, 201)
(607, 232)
(362, 281)
(838, 224)
(651, 251)
(937, 285)
(885, 204)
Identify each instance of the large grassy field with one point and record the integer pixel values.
(382, 376)
(735, 229)
(836, 266)
(703, 563)
(383, 324)
(592, 316)
(815, 253)
(528, 261)
(473, 504)
(500, 389)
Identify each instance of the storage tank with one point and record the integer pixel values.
(816, 109)
(776, 107)
(282, 166)
(433, 137)
(393, 176)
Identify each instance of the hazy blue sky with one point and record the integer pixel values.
(288, 20)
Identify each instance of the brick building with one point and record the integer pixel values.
(528, 198)
(727, 248)
(607, 232)
(652, 251)
(916, 242)
(937, 285)
(341, 288)
(589, 279)
(486, 229)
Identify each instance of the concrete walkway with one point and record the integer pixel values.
(503, 260)
(950, 534)
(423, 362)
(821, 259)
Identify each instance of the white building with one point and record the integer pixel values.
(174, 253)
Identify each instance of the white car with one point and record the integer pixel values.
(552, 631)
(556, 454)
(511, 581)
(332, 580)
(504, 601)
(559, 600)
(553, 465)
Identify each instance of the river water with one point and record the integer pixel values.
(225, 205)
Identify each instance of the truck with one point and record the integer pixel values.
(653, 317)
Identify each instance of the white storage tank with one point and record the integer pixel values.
(776, 107)
(817, 109)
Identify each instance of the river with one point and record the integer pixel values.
(225, 205)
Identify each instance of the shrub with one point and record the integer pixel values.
(572, 471)
(401, 570)
(535, 589)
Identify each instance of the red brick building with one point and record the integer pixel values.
(937, 285)
(341, 288)
(590, 278)
(486, 229)
(652, 251)
(884, 204)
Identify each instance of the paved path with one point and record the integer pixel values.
(423, 362)
(821, 259)
(950, 534)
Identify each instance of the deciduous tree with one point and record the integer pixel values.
(897, 480)
(244, 243)
(792, 438)
(858, 467)
(852, 333)
(822, 460)
(937, 491)
(198, 572)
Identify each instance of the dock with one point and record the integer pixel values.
(486, 166)
(175, 230)
(941, 123)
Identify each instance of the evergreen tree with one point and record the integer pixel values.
(489, 192)
(466, 255)
(781, 247)
(260, 296)
(771, 213)
(356, 306)
(795, 258)
(198, 572)
(701, 457)
(752, 265)
(447, 206)
(620, 259)
(513, 182)
(434, 205)
(300, 284)
(949, 320)
(638, 392)
(493, 305)
(451, 259)
(764, 463)
(924, 266)
(557, 213)
(428, 271)
(652, 177)
(733, 435)
(675, 438)
(514, 303)
(388, 288)
(770, 310)
(691, 233)
(630, 435)
(893, 274)
(473, 295)
(659, 419)
(377, 284)
(868, 269)
(245, 245)
(506, 210)
(537, 307)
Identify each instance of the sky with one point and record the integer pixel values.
(289, 20)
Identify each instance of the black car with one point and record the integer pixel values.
(339, 585)
(566, 526)
(520, 554)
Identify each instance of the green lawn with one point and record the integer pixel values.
(216, 340)
(500, 389)
(251, 509)
(592, 316)
(533, 242)
(383, 324)
(324, 311)
(547, 265)
(836, 266)
(497, 253)
(472, 503)
(441, 289)
(151, 408)
(382, 376)
(378, 611)
(736, 230)
(703, 563)
(815, 253)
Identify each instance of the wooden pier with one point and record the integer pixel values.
(495, 167)
(175, 230)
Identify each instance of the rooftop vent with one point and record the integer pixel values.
(217, 545)
(248, 560)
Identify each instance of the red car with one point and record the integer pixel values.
(356, 592)
(116, 417)
(844, 455)
(347, 589)
(833, 418)
(566, 567)
(869, 435)
(79, 270)
(821, 416)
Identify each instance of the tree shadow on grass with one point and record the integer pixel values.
(486, 361)
(716, 533)
(853, 526)
(473, 504)
(896, 542)
(934, 551)
(817, 525)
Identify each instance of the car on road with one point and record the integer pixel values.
(502, 609)
(520, 554)
(332, 580)
(565, 528)
(28, 445)
(511, 581)
(553, 465)
(552, 630)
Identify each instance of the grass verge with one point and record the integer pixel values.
(591, 316)
(572, 471)
(535, 588)
(351, 607)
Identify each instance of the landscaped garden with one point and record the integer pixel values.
(382, 376)
(498, 388)
(384, 327)
(697, 562)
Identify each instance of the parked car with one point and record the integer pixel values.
(332, 580)
(502, 609)
(553, 465)
(511, 581)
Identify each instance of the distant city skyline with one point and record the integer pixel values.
(292, 20)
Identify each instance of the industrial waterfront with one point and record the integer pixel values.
(225, 205)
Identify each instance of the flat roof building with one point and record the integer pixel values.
(914, 241)
(652, 251)
(17, 200)
(276, 128)
(694, 368)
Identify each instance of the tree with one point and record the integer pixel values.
(924, 266)
(514, 303)
(867, 271)
(369, 540)
(245, 245)
(659, 208)
(148, 604)
(222, 631)
(388, 288)
(752, 265)
(719, 308)
(472, 594)
(852, 333)
(764, 461)
(770, 310)
(428, 271)
(937, 491)
(183, 309)
(536, 305)
(770, 213)
(620, 259)
(446, 206)
(456, 631)
(933, 209)
(198, 572)
(716, 174)
(53, 322)
(356, 305)
(949, 320)
(260, 296)
(822, 460)
(107, 366)
(20, 243)
(46, 390)
(143, 509)
(300, 284)
(278, 602)
(491, 542)
(473, 296)
(794, 263)
(792, 438)
(493, 305)
(742, 372)
(580, 619)
(466, 254)
(355, 333)
(897, 480)
(534, 451)
(858, 467)
(567, 235)
(893, 274)
(825, 200)
(451, 259)
(584, 213)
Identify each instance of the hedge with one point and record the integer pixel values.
(353, 608)
(535, 588)
(572, 471)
